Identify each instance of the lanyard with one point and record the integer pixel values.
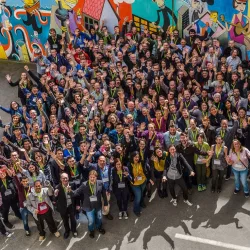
(174, 117)
(99, 127)
(26, 192)
(40, 197)
(200, 146)
(172, 139)
(159, 123)
(194, 134)
(204, 114)
(142, 154)
(119, 137)
(73, 170)
(91, 187)
(112, 92)
(5, 183)
(152, 139)
(120, 175)
(229, 115)
(217, 105)
(136, 166)
(217, 152)
(54, 40)
(222, 133)
(187, 105)
(158, 88)
(41, 166)
(73, 153)
(238, 156)
(34, 178)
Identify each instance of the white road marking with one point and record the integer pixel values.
(153, 220)
(4, 247)
(153, 195)
(49, 243)
(136, 220)
(210, 242)
(78, 225)
(74, 240)
(98, 237)
(42, 241)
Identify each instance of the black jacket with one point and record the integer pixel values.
(182, 165)
(11, 187)
(84, 190)
(61, 202)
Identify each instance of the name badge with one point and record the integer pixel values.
(81, 45)
(121, 185)
(205, 87)
(239, 130)
(216, 162)
(42, 68)
(238, 165)
(105, 179)
(139, 178)
(43, 207)
(77, 182)
(25, 203)
(230, 123)
(54, 46)
(34, 99)
(93, 198)
(200, 160)
(248, 113)
(152, 148)
(7, 192)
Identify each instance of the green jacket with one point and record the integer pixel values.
(205, 147)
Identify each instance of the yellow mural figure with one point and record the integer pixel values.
(2, 53)
(31, 5)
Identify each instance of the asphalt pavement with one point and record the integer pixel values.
(215, 221)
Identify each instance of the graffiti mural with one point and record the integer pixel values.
(25, 24)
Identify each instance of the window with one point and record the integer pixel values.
(89, 22)
(140, 23)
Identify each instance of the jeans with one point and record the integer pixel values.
(187, 179)
(24, 213)
(241, 176)
(94, 219)
(138, 192)
(229, 171)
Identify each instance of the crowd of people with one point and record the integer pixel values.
(114, 115)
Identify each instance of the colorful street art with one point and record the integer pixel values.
(25, 24)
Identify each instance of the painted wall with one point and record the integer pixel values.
(24, 24)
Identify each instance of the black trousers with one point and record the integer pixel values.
(7, 204)
(182, 185)
(187, 179)
(2, 227)
(217, 175)
(122, 197)
(69, 216)
(49, 220)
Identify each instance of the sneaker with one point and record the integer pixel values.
(236, 191)
(204, 187)
(174, 202)
(66, 235)
(200, 188)
(41, 238)
(120, 215)
(92, 234)
(9, 225)
(188, 203)
(75, 234)
(27, 233)
(8, 234)
(227, 178)
(57, 234)
(125, 214)
(247, 195)
(137, 214)
(101, 230)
